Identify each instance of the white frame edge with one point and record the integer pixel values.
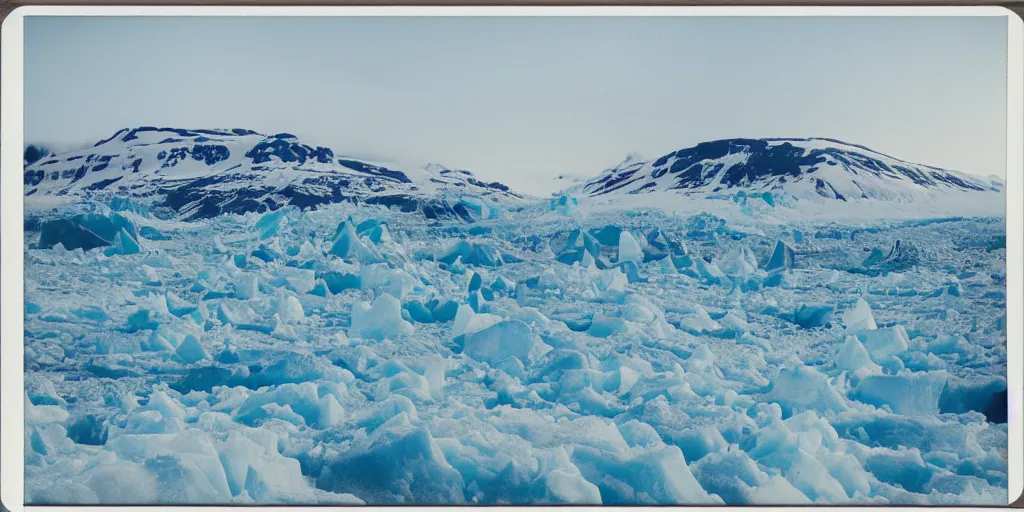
(12, 198)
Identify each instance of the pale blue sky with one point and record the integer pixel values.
(522, 99)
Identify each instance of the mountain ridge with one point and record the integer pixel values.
(808, 168)
(200, 173)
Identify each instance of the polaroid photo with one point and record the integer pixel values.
(511, 256)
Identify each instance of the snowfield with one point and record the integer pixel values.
(577, 350)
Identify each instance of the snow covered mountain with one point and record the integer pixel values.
(203, 173)
(813, 169)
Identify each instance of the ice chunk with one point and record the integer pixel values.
(603, 326)
(160, 402)
(709, 272)
(218, 246)
(783, 257)
(883, 343)
(85, 231)
(704, 226)
(782, 279)
(288, 308)
(141, 320)
(698, 321)
(179, 479)
(564, 204)
(207, 377)
(41, 414)
(400, 379)
(320, 289)
(475, 281)
(473, 208)
(277, 480)
(859, 318)
(629, 248)
(853, 356)
(348, 245)
(696, 443)
(905, 468)
(59, 493)
(659, 245)
(399, 462)
(733, 476)
(338, 282)
(151, 233)
(588, 260)
(391, 407)
(659, 474)
(565, 487)
(610, 284)
(732, 324)
(178, 306)
(124, 243)
(738, 262)
(267, 253)
(242, 317)
(473, 254)
(467, 321)
(503, 285)
(951, 344)
(632, 272)
(445, 311)
(381, 320)
(159, 260)
(295, 368)
(191, 350)
(418, 312)
(373, 229)
(125, 483)
(778, 447)
(912, 393)
(50, 441)
(382, 279)
(269, 224)
(578, 246)
(986, 395)
(845, 468)
(902, 255)
(41, 391)
(778, 491)
(638, 433)
(246, 286)
(802, 388)
(237, 455)
(749, 339)
(509, 338)
(811, 316)
(640, 309)
(295, 279)
(296, 403)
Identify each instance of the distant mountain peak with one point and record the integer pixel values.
(632, 158)
(812, 168)
(200, 173)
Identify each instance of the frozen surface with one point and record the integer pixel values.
(570, 351)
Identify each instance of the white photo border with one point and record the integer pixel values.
(12, 461)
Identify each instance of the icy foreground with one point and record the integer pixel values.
(552, 355)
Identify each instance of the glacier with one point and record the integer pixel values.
(578, 350)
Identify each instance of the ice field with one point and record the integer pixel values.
(551, 353)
